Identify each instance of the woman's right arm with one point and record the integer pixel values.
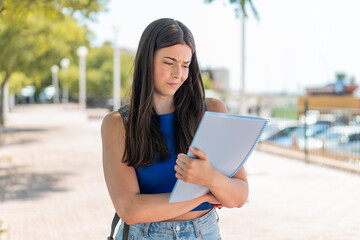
(123, 186)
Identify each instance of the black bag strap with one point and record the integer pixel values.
(126, 231)
(113, 226)
(124, 112)
(115, 221)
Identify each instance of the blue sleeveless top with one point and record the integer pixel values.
(159, 177)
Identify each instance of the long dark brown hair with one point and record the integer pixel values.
(145, 143)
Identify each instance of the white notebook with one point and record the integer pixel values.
(228, 140)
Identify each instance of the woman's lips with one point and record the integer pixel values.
(173, 84)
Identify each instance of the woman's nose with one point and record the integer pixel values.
(176, 72)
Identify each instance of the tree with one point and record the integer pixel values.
(340, 76)
(208, 84)
(18, 80)
(240, 5)
(99, 73)
(34, 34)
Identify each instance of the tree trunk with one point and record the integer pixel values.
(2, 99)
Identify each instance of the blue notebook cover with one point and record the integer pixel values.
(228, 140)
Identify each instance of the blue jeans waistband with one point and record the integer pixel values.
(197, 225)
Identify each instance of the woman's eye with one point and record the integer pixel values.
(167, 63)
(185, 66)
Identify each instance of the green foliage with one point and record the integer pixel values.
(97, 84)
(340, 75)
(127, 70)
(285, 112)
(35, 34)
(208, 84)
(18, 80)
(70, 77)
(86, 8)
(99, 73)
(81, 8)
(97, 56)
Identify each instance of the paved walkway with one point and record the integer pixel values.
(53, 188)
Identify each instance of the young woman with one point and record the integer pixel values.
(144, 143)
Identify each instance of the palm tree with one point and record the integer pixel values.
(240, 6)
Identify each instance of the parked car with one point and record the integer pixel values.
(288, 136)
(27, 94)
(47, 95)
(352, 146)
(275, 126)
(336, 138)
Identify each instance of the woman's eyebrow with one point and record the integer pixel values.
(186, 62)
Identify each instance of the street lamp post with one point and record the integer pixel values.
(117, 74)
(55, 82)
(242, 91)
(64, 63)
(82, 52)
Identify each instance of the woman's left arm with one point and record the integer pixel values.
(230, 192)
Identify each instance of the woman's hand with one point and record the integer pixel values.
(197, 171)
(210, 198)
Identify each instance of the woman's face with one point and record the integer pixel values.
(171, 69)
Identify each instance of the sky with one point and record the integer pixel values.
(294, 44)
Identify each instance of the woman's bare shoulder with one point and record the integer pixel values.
(215, 105)
(113, 122)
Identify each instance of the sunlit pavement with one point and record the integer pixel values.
(53, 188)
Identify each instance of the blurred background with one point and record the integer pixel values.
(288, 46)
(65, 64)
